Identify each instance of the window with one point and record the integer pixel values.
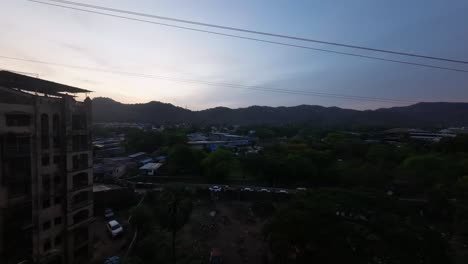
(46, 182)
(78, 121)
(46, 225)
(45, 131)
(80, 216)
(80, 162)
(56, 131)
(47, 245)
(58, 240)
(58, 200)
(18, 182)
(45, 160)
(80, 143)
(57, 179)
(80, 180)
(18, 120)
(58, 220)
(80, 198)
(46, 203)
(57, 159)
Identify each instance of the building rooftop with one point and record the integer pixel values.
(136, 155)
(151, 166)
(105, 187)
(31, 84)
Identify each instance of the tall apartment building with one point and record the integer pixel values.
(46, 202)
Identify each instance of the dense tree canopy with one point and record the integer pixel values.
(183, 160)
(331, 226)
(218, 165)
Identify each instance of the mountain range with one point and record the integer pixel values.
(437, 114)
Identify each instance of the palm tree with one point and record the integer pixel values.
(174, 209)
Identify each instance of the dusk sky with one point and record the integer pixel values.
(431, 27)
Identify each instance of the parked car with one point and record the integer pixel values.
(263, 190)
(216, 256)
(301, 189)
(114, 228)
(112, 260)
(247, 189)
(108, 213)
(215, 188)
(282, 191)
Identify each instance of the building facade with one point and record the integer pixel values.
(46, 198)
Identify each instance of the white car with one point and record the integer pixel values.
(114, 228)
(282, 191)
(247, 189)
(301, 189)
(215, 188)
(108, 214)
(263, 190)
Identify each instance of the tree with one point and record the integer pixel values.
(153, 247)
(427, 170)
(173, 209)
(143, 218)
(138, 140)
(337, 226)
(461, 189)
(218, 165)
(183, 159)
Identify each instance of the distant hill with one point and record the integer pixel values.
(417, 115)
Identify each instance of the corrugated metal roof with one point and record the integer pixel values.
(151, 166)
(136, 155)
(27, 83)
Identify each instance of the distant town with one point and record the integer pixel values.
(74, 191)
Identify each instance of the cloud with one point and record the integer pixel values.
(88, 53)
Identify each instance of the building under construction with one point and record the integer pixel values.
(46, 198)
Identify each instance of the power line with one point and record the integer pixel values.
(255, 39)
(227, 85)
(257, 32)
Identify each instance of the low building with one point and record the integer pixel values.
(108, 147)
(150, 169)
(226, 137)
(214, 145)
(196, 137)
(111, 169)
(405, 134)
(141, 158)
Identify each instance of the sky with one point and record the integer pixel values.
(432, 27)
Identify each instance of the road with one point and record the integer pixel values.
(143, 187)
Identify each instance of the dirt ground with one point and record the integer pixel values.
(233, 229)
(104, 246)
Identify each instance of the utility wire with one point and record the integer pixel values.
(217, 84)
(257, 32)
(256, 39)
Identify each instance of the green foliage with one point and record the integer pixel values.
(150, 141)
(333, 226)
(183, 160)
(99, 131)
(138, 140)
(453, 145)
(143, 218)
(429, 169)
(461, 189)
(219, 164)
(172, 208)
(153, 248)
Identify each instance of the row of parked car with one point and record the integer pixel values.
(113, 226)
(218, 188)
